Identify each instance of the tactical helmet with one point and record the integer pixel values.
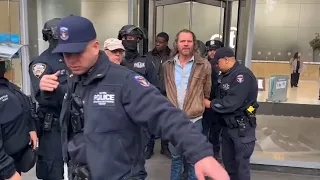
(132, 30)
(214, 45)
(49, 30)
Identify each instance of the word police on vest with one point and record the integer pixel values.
(139, 65)
(104, 99)
(4, 98)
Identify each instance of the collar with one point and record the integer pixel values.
(155, 52)
(3, 80)
(197, 59)
(176, 59)
(98, 71)
(236, 64)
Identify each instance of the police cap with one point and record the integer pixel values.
(222, 53)
(214, 44)
(75, 32)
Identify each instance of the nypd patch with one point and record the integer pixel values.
(38, 69)
(64, 34)
(240, 78)
(142, 81)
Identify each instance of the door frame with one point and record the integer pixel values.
(226, 4)
(208, 2)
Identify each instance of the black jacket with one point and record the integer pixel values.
(238, 89)
(49, 63)
(214, 80)
(143, 66)
(157, 61)
(117, 102)
(15, 124)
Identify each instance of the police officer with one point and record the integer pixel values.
(48, 74)
(18, 138)
(114, 102)
(211, 125)
(236, 104)
(131, 36)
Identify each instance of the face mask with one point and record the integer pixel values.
(2, 69)
(130, 45)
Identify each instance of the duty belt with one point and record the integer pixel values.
(49, 122)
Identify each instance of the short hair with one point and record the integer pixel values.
(164, 36)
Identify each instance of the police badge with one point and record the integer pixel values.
(38, 69)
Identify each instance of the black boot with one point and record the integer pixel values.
(165, 148)
(217, 156)
(148, 153)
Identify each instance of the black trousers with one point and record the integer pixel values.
(237, 151)
(212, 128)
(50, 164)
(295, 79)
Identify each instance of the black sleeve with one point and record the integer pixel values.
(161, 80)
(44, 97)
(237, 95)
(7, 166)
(31, 116)
(148, 107)
(152, 75)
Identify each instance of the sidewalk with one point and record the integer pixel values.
(158, 168)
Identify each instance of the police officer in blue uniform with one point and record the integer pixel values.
(48, 74)
(211, 124)
(114, 102)
(17, 130)
(131, 36)
(236, 104)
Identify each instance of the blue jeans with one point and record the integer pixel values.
(177, 160)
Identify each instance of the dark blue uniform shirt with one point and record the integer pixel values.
(49, 63)
(144, 66)
(117, 102)
(15, 124)
(238, 89)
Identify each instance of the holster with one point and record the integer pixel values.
(253, 121)
(230, 122)
(28, 159)
(80, 172)
(76, 122)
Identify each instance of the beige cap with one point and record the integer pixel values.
(113, 44)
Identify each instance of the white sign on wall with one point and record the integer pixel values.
(233, 34)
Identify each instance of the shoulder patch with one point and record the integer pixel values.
(38, 69)
(240, 78)
(142, 81)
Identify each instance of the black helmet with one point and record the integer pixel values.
(132, 30)
(214, 45)
(50, 29)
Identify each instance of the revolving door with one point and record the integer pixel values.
(208, 19)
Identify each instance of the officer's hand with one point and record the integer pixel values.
(33, 139)
(16, 176)
(207, 103)
(209, 167)
(49, 82)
